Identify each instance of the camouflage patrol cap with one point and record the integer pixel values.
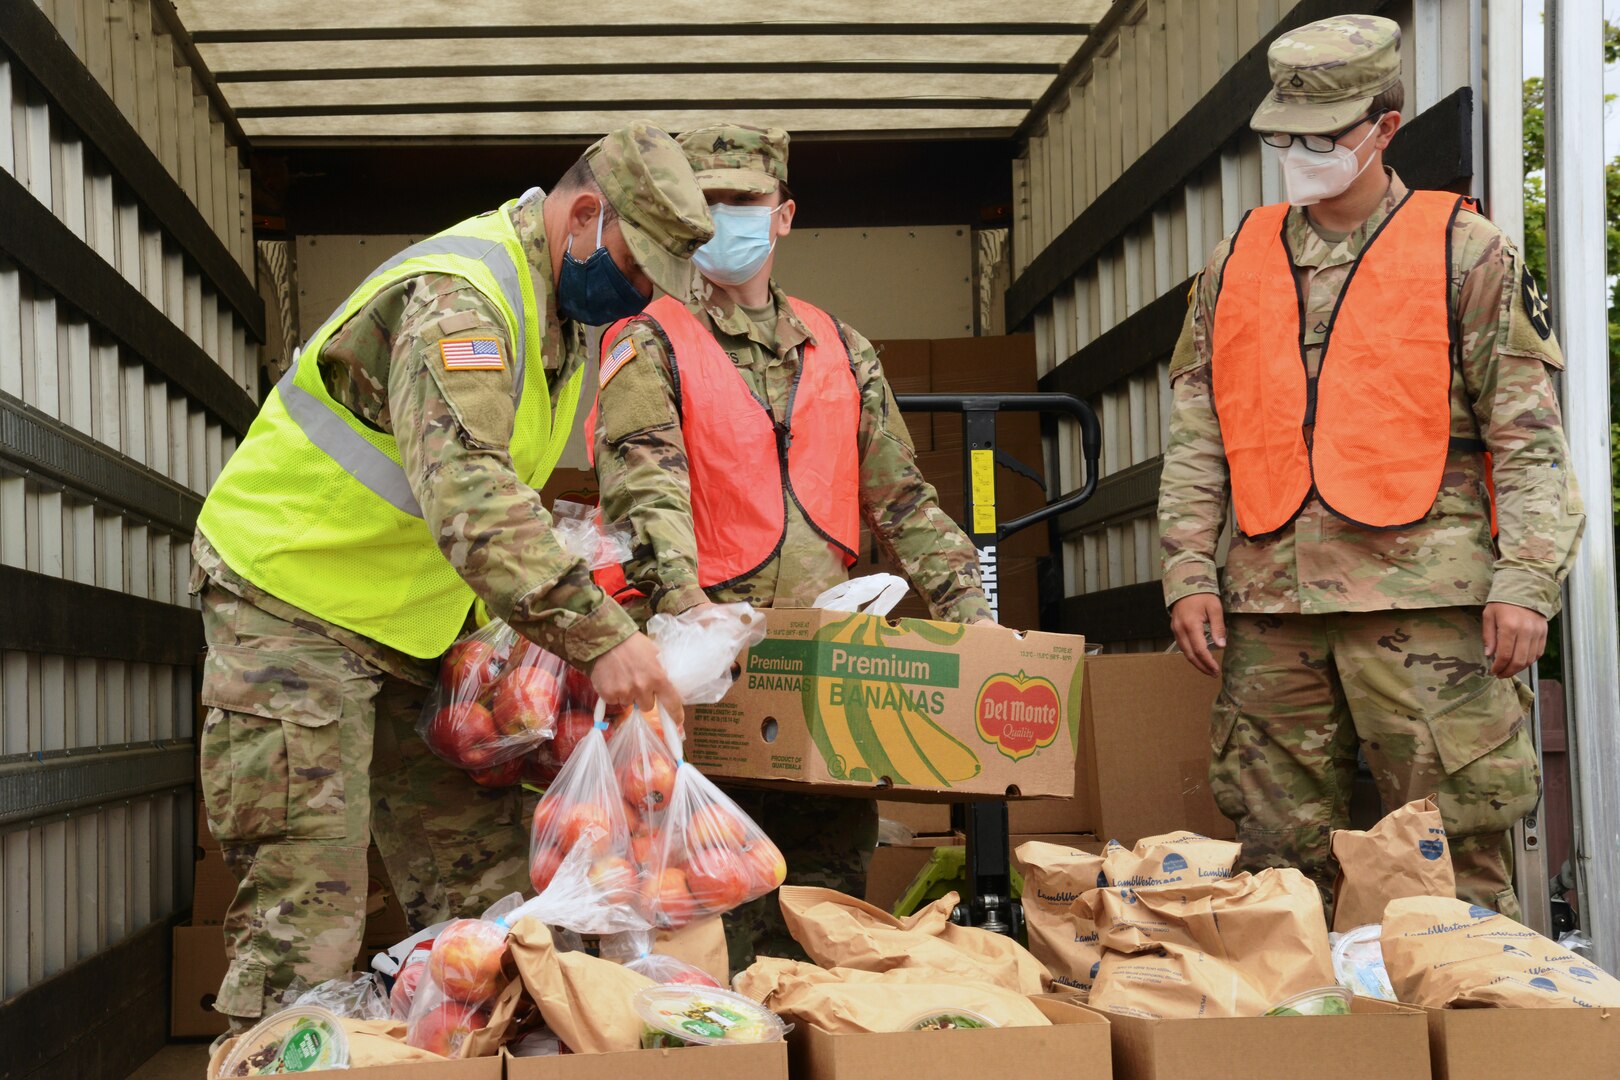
(736, 157)
(1325, 74)
(662, 212)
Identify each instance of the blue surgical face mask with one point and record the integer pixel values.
(742, 242)
(596, 292)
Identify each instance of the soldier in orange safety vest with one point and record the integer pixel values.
(1366, 373)
(747, 435)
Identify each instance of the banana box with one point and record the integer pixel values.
(902, 709)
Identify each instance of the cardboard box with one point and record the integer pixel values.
(906, 365)
(762, 1061)
(574, 485)
(940, 711)
(198, 969)
(1523, 1044)
(895, 866)
(1143, 765)
(923, 819)
(1378, 1039)
(213, 887)
(1075, 1045)
(488, 1068)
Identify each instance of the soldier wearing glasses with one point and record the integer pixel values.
(1365, 374)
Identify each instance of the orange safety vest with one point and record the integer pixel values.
(743, 464)
(1380, 405)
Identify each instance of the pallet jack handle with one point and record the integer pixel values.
(988, 902)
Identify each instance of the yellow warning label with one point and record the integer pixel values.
(983, 465)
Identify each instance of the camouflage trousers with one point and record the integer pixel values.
(307, 753)
(827, 840)
(1412, 691)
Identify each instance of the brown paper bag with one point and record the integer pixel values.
(1265, 931)
(371, 1043)
(584, 999)
(701, 944)
(1405, 854)
(1054, 878)
(841, 931)
(1179, 858)
(1449, 954)
(1065, 939)
(849, 1001)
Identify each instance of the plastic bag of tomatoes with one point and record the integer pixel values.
(499, 697)
(709, 856)
(580, 859)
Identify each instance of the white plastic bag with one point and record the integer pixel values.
(581, 532)
(875, 594)
(699, 647)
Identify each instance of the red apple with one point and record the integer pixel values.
(586, 823)
(466, 959)
(506, 774)
(465, 735)
(572, 726)
(539, 768)
(405, 983)
(526, 702)
(443, 1030)
(718, 880)
(642, 847)
(615, 879)
(648, 781)
(543, 866)
(469, 668)
(690, 976)
(577, 685)
(674, 899)
(716, 827)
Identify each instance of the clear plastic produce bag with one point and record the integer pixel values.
(699, 647)
(498, 698)
(357, 995)
(645, 769)
(582, 533)
(709, 857)
(457, 989)
(579, 854)
(635, 951)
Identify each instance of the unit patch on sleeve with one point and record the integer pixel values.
(622, 354)
(472, 354)
(1536, 306)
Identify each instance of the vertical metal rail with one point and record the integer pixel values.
(1575, 262)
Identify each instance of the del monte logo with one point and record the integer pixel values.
(1019, 714)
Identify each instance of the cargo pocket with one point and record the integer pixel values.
(241, 993)
(1483, 746)
(1225, 783)
(272, 747)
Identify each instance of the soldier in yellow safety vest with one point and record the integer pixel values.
(390, 480)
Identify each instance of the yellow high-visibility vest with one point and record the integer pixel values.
(314, 507)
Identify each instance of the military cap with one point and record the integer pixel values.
(736, 157)
(662, 212)
(1325, 74)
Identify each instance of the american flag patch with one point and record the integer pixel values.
(622, 354)
(472, 354)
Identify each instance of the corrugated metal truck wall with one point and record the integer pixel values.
(1133, 171)
(128, 315)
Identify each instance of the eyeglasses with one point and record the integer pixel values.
(1317, 144)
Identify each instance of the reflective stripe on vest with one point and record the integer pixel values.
(733, 441)
(314, 506)
(1379, 411)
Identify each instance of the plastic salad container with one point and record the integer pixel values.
(1326, 1001)
(675, 1016)
(1358, 963)
(305, 1038)
(952, 1020)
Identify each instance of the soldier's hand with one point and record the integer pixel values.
(1188, 618)
(631, 673)
(1515, 638)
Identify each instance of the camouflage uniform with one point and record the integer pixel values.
(642, 471)
(1338, 634)
(308, 747)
